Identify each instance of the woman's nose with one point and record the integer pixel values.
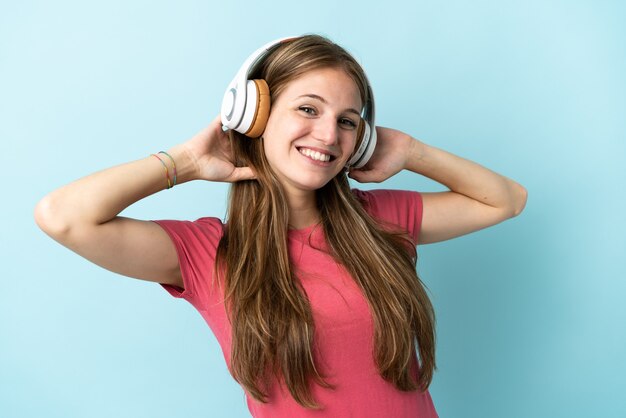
(326, 130)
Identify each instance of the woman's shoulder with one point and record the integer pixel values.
(403, 208)
(381, 198)
(205, 228)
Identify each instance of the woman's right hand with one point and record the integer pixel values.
(211, 154)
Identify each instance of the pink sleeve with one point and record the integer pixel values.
(196, 245)
(398, 207)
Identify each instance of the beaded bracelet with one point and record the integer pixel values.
(167, 173)
(173, 163)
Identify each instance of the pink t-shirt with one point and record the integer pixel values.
(343, 340)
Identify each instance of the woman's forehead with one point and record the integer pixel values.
(333, 85)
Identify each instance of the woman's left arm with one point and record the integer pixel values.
(478, 197)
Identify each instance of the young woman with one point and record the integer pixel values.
(310, 287)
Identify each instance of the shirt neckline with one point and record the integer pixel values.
(307, 235)
(306, 230)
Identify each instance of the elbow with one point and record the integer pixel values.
(47, 217)
(519, 198)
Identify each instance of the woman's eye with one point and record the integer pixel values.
(307, 109)
(348, 123)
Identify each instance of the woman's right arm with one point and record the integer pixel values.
(83, 215)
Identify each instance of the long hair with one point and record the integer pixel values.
(272, 322)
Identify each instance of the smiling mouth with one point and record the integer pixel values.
(315, 155)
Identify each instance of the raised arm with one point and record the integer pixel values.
(478, 197)
(83, 215)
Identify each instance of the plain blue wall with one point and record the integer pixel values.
(531, 313)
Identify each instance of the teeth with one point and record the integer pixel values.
(314, 155)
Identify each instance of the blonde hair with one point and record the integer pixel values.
(272, 323)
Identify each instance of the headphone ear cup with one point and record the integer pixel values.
(360, 132)
(364, 148)
(261, 109)
(369, 138)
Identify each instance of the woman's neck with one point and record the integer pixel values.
(303, 211)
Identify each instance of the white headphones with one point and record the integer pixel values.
(246, 105)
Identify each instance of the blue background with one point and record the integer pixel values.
(531, 313)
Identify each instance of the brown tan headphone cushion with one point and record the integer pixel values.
(262, 109)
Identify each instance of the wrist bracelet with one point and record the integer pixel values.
(173, 163)
(167, 173)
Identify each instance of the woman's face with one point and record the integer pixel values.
(312, 128)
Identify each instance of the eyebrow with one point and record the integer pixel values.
(321, 99)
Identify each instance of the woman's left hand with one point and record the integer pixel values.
(393, 149)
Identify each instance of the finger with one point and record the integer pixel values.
(358, 175)
(242, 173)
(215, 127)
(366, 176)
(210, 130)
